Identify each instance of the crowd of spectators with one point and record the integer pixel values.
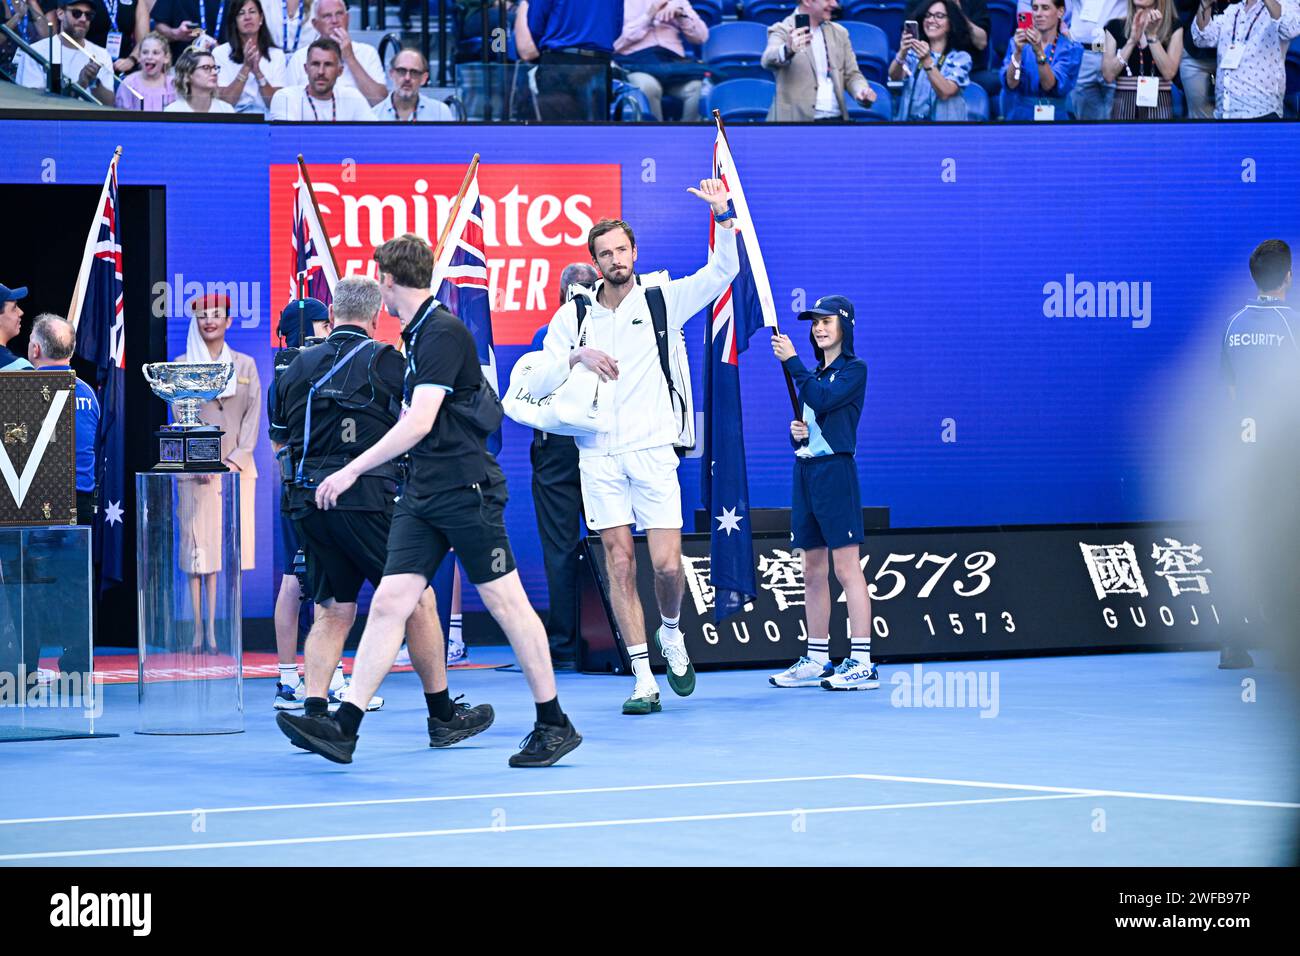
(578, 60)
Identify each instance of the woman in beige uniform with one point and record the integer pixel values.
(238, 412)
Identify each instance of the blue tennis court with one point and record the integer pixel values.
(1138, 760)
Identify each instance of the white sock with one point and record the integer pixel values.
(289, 675)
(641, 664)
(819, 650)
(454, 630)
(670, 631)
(338, 680)
(860, 650)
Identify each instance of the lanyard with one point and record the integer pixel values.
(311, 395)
(911, 99)
(414, 113)
(412, 332)
(284, 24)
(334, 107)
(221, 12)
(112, 6)
(1251, 26)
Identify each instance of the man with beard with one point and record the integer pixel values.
(630, 331)
(84, 63)
(323, 98)
(409, 72)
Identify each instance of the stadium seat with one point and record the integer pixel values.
(740, 101)
(710, 11)
(977, 103)
(881, 111)
(766, 11)
(1002, 24)
(886, 14)
(628, 104)
(734, 50)
(870, 47)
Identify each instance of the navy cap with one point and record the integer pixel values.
(313, 310)
(12, 295)
(829, 305)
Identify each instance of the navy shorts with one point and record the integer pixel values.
(288, 544)
(827, 508)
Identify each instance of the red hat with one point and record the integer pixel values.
(209, 301)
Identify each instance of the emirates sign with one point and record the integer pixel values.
(535, 222)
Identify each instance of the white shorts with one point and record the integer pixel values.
(636, 487)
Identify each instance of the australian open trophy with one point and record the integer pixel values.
(189, 444)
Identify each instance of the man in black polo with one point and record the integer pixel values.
(338, 399)
(455, 497)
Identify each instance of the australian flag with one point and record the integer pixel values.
(311, 255)
(461, 284)
(739, 312)
(101, 339)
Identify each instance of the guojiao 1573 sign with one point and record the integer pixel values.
(535, 222)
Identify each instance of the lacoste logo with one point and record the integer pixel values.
(638, 322)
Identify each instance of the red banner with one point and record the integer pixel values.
(535, 222)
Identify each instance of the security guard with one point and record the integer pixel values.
(336, 400)
(303, 322)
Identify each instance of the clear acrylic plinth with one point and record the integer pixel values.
(47, 688)
(191, 639)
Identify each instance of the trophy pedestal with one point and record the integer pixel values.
(191, 639)
(189, 449)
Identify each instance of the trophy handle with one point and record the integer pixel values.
(147, 377)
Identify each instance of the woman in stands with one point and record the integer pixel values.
(290, 24)
(934, 70)
(196, 82)
(1143, 50)
(250, 68)
(149, 88)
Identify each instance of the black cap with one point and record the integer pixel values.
(829, 305)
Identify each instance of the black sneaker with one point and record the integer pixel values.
(466, 721)
(320, 735)
(546, 744)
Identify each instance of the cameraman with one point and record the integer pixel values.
(338, 399)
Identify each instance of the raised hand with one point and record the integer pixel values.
(712, 191)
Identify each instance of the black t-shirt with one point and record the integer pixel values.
(352, 409)
(100, 24)
(440, 353)
(202, 13)
(1187, 16)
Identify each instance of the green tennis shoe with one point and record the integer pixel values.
(681, 673)
(643, 701)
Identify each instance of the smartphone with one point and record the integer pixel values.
(911, 29)
(802, 21)
(1024, 20)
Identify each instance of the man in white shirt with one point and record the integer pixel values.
(1251, 38)
(84, 63)
(1086, 20)
(409, 72)
(323, 98)
(362, 69)
(629, 473)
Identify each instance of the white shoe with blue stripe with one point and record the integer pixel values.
(805, 672)
(851, 675)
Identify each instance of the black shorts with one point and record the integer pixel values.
(344, 549)
(470, 519)
(288, 544)
(827, 509)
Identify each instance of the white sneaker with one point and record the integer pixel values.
(403, 657)
(851, 675)
(341, 695)
(805, 672)
(644, 699)
(290, 696)
(337, 681)
(456, 653)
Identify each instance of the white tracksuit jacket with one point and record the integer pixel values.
(643, 411)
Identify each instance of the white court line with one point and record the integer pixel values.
(1085, 791)
(574, 825)
(433, 799)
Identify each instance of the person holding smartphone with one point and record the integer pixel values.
(814, 65)
(936, 69)
(1041, 66)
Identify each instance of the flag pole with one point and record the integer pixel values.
(455, 206)
(325, 240)
(92, 239)
(789, 382)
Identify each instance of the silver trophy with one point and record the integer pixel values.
(189, 444)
